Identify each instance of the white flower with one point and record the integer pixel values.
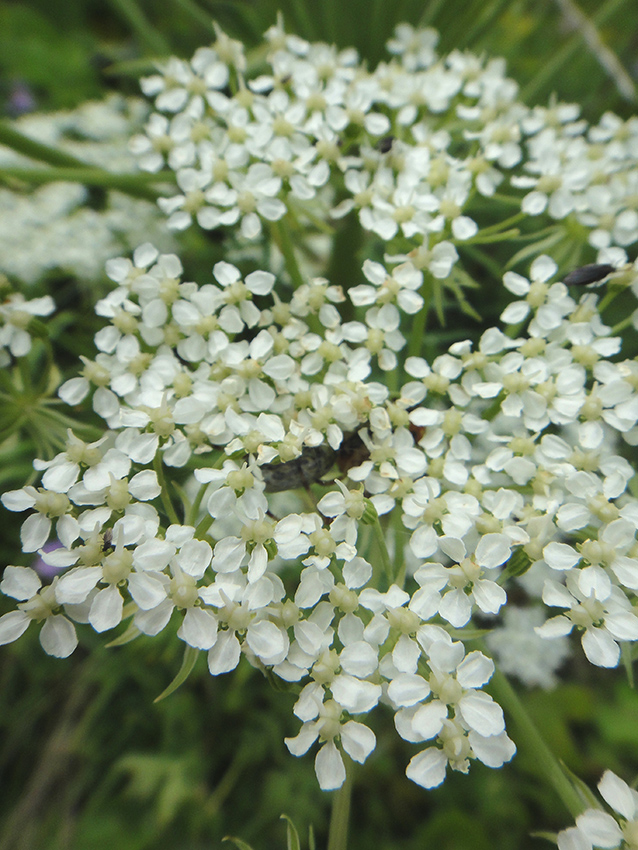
(37, 603)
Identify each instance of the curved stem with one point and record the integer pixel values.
(530, 739)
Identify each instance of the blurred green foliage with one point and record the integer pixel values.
(87, 759)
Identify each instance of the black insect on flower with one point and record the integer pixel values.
(313, 463)
(588, 274)
(384, 145)
(309, 467)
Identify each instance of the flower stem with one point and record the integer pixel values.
(287, 248)
(530, 739)
(166, 499)
(135, 185)
(383, 549)
(340, 815)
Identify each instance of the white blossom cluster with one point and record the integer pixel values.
(421, 488)
(54, 227)
(412, 145)
(491, 453)
(597, 828)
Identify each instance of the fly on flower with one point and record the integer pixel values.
(591, 273)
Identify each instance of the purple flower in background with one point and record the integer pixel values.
(20, 100)
(47, 572)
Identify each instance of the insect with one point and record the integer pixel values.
(313, 463)
(384, 145)
(588, 274)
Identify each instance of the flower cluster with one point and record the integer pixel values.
(412, 146)
(283, 476)
(59, 225)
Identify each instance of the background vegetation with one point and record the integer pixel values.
(87, 759)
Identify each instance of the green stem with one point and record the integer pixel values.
(340, 815)
(379, 537)
(612, 293)
(166, 500)
(288, 250)
(528, 736)
(194, 509)
(481, 239)
(150, 38)
(626, 323)
(417, 331)
(551, 69)
(12, 138)
(131, 184)
(498, 227)
(399, 548)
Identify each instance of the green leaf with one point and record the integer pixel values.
(237, 842)
(292, 836)
(188, 662)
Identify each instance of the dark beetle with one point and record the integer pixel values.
(588, 274)
(313, 463)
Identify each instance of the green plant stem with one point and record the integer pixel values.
(482, 239)
(150, 38)
(379, 537)
(612, 293)
(287, 248)
(166, 499)
(131, 184)
(17, 141)
(415, 344)
(626, 323)
(529, 738)
(550, 70)
(340, 815)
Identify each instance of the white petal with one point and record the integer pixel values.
(329, 767)
(427, 768)
(58, 637)
(408, 689)
(106, 609)
(357, 740)
(302, 742)
(13, 625)
(354, 695)
(600, 648)
(481, 713)
(75, 586)
(493, 751)
(618, 795)
(267, 641)
(560, 556)
(600, 828)
(20, 582)
(428, 719)
(224, 656)
(199, 628)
